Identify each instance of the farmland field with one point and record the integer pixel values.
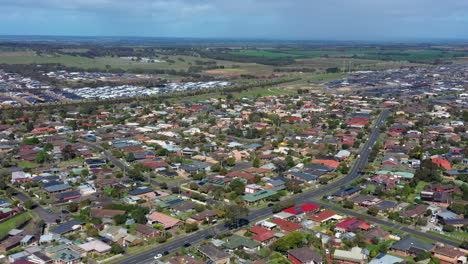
(268, 54)
(361, 53)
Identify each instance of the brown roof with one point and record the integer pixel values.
(165, 220)
(322, 215)
(376, 232)
(306, 255)
(205, 214)
(105, 213)
(417, 210)
(449, 252)
(146, 230)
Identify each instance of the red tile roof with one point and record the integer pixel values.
(324, 215)
(352, 223)
(330, 163)
(286, 225)
(300, 209)
(442, 163)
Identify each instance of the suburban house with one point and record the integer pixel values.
(449, 255)
(262, 235)
(215, 254)
(347, 192)
(159, 218)
(95, 247)
(352, 256)
(146, 231)
(304, 256)
(410, 246)
(303, 209)
(351, 225)
(324, 216)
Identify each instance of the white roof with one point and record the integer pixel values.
(95, 245)
(283, 215)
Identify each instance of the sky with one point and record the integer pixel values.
(271, 19)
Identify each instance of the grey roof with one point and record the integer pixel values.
(411, 244)
(139, 191)
(385, 205)
(213, 252)
(347, 191)
(66, 227)
(57, 188)
(67, 194)
(303, 175)
(385, 259)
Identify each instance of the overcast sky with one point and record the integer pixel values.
(275, 19)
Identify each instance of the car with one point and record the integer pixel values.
(166, 253)
(327, 251)
(270, 204)
(187, 245)
(158, 256)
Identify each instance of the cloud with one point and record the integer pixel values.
(293, 19)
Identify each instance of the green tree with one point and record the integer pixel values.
(373, 211)
(42, 157)
(256, 162)
(191, 227)
(116, 249)
(287, 242)
(348, 204)
(73, 207)
(234, 213)
(28, 204)
(120, 219)
(92, 232)
(130, 157)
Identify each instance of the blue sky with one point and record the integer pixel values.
(274, 19)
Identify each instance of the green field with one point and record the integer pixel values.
(371, 53)
(267, 54)
(25, 164)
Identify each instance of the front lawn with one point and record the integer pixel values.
(13, 223)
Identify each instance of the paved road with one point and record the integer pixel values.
(387, 223)
(256, 215)
(48, 217)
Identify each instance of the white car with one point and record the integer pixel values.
(158, 256)
(327, 251)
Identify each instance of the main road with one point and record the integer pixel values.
(310, 196)
(256, 215)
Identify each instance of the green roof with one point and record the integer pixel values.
(259, 195)
(236, 241)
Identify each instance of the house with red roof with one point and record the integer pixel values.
(156, 164)
(41, 130)
(302, 209)
(350, 225)
(323, 216)
(329, 163)
(286, 226)
(442, 163)
(262, 234)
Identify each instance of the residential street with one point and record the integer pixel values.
(311, 196)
